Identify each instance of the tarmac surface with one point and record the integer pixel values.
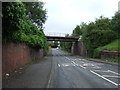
(62, 70)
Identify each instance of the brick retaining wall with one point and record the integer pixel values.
(15, 55)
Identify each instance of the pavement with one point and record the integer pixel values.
(34, 76)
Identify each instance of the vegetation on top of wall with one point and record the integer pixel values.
(113, 46)
(18, 28)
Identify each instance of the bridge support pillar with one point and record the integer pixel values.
(75, 48)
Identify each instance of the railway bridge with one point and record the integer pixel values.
(74, 41)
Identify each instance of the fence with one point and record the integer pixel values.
(110, 54)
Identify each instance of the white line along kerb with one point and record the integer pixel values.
(103, 78)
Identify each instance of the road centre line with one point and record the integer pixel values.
(104, 78)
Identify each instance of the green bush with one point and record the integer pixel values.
(20, 29)
(66, 46)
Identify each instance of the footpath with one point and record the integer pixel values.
(33, 76)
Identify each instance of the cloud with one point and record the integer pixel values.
(64, 15)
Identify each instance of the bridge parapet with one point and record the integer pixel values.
(55, 34)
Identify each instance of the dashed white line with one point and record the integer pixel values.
(104, 78)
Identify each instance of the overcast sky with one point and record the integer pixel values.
(64, 15)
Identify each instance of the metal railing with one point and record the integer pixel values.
(55, 34)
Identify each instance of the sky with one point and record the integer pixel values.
(64, 15)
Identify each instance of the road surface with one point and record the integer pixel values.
(62, 70)
(74, 72)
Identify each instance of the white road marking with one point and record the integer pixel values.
(67, 58)
(78, 65)
(110, 76)
(104, 78)
(73, 64)
(107, 71)
(96, 67)
(58, 65)
(82, 66)
(49, 81)
(74, 59)
(101, 70)
(113, 72)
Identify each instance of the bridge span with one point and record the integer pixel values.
(62, 39)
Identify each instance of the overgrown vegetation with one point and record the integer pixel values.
(114, 60)
(66, 45)
(98, 34)
(18, 28)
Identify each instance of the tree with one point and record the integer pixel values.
(103, 23)
(77, 31)
(66, 45)
(13, 13)
(98, 34)
(115, 22)
(17, 28)
(36, 13)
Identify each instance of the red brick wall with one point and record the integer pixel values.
(15, 55)
(110, 54)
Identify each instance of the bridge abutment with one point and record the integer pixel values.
(78, 48)
(75, 48)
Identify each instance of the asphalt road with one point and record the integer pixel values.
(62, 70)
(74, 72)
